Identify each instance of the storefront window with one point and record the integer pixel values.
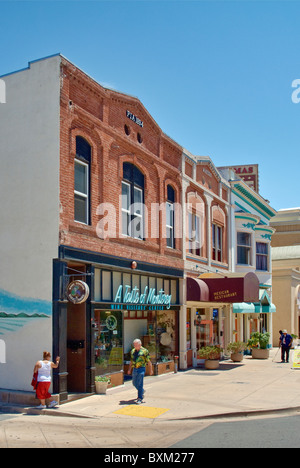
(108, 341)
(156, 329)
(166, 335)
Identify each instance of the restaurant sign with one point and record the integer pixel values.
(132, 299)
(230, 290)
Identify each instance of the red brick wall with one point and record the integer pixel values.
(99, 115)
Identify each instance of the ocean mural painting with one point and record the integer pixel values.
(15, 311)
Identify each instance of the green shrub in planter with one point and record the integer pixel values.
(212, 355)
(210, 352)
(102, 378)
(236, 347)
(259, 344)
(259, 340)
(101, 383)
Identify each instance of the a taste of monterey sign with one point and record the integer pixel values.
(133, 299)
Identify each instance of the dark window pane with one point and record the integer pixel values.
(80, 209)
(83, 149)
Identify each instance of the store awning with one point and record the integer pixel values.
(271, 309)
(243, 308)
(232, 288)
(197, 290)
(264, 306)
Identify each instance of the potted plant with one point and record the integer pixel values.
(259, 344)
(236, 349)
(212, 355)
(101, 384)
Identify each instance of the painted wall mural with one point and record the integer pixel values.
(15, 311)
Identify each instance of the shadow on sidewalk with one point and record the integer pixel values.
(127, 402)
(224, 366)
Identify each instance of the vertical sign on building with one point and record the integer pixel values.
(249, 174)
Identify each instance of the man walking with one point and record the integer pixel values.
(139, 359)
(286, 344)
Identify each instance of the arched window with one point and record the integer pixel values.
(132, 202)
(196, 223)
(218, 231)
(82, 181)
(170, 217)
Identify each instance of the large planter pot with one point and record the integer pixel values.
(237, 357)
(101, 387)
(211, 364)
(260, 353)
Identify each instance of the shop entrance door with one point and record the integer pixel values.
(204, 333)
(76, 348)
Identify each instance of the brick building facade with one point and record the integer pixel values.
(115, 217)
(113, 156)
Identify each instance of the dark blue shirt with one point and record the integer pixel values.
(286, 340)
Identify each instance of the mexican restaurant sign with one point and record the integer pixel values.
(238, 288)
(132, 299)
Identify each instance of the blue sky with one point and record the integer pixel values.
(215, 75)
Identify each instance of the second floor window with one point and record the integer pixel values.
(132, 202)
(217, 242)
(82, 181)
(244, 248)
(194, 234)
(170, 217)
(262, 257)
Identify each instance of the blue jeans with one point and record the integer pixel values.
(138, 380)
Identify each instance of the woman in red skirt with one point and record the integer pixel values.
(43, 369)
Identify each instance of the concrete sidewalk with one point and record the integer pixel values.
(250, 387)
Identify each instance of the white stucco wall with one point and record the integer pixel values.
(29, 214)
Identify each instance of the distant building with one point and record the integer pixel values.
(286, 271)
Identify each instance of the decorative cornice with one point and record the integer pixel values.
(245, 192)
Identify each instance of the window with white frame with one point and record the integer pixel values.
(262, 256)
(126, 203)
(137, 223)
(170, 217)
(217, 242)
(194, 234)
(82, 181)
(132, 202)
(244, 248)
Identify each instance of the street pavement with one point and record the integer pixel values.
(176, 406)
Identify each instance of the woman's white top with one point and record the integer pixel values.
(44, 372)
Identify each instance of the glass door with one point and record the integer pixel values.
(204, 334)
